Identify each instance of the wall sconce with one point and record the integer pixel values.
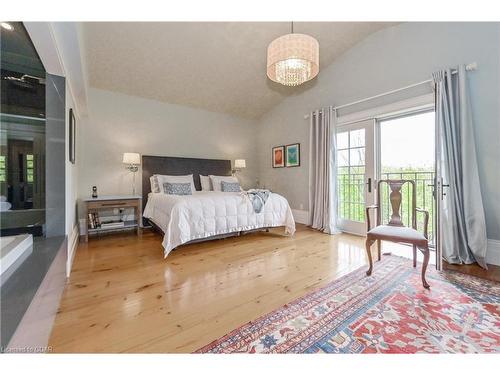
(132, 161)
(239, 164)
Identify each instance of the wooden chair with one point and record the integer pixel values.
(395, 230)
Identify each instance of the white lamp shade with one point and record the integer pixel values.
(131, 158)
(240, 163)
(293, 59)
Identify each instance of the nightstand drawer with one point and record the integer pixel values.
(112, 204)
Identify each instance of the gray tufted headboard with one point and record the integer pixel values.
(180, 166)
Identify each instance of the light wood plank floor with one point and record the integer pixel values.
(122, 295)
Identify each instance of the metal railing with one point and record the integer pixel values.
(351, 192)
(424, 181)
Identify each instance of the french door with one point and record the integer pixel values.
(406, 146)
(355, 174)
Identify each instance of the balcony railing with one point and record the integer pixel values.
(425, 200)
(351, 185)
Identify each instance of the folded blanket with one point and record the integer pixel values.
(258, 198)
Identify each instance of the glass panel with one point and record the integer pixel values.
(342, 140)
(351, 176)
(343, 158)
(357, 138)
(407, 152)
(23, 131)
(357, 156)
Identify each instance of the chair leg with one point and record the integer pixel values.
(379, 250)
(414, 256)
(369, 244)
(426, 252)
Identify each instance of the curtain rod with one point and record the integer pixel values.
(468, 67)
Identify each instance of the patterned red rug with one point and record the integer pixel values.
(388, 312)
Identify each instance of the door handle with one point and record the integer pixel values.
(433, 191)
(369, 183)
(442, 190)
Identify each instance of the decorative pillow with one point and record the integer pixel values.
(206, 184)
(230, 186)
(177, 188)
(216, 181)
(162, 178)
(155, 187)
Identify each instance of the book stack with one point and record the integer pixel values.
(94, 221)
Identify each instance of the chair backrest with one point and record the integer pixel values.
(396, 199)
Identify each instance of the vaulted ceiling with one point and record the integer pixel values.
(217, 66)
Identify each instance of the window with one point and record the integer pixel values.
(29, 168)
(3, 177)
(351, 174)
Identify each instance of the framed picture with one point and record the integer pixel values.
(292, 156)
(278, 157)
(72, 136)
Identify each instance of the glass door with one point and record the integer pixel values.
(407, 152)
(355, 174)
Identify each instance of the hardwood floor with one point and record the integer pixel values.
(124, 297)
(492, 273)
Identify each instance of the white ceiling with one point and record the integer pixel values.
(218, 66)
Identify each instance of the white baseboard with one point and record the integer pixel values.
(72, 245)
(301, 216)
(493, 252)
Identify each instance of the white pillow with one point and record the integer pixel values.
(206, 184)
(216, 181)
(163, 178)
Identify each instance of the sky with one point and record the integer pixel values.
(408, 141)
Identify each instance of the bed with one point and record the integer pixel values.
(205, 215)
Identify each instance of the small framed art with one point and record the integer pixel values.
(278, 157)
(292, 155)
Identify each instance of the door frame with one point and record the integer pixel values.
(378, 159)
(418, 104)
(351, 226)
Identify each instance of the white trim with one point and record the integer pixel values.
(493, 252)
(42, 36)
(418, 103)
(50, 49)
(354, 233)
(301, 216)
(72, 245)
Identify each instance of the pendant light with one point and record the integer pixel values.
(293, 59)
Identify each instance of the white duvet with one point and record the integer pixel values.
(211, 213)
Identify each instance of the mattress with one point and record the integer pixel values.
(211, 213)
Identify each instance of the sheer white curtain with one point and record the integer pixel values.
(462, 219)
(323, 171)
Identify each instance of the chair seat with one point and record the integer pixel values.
(397, 234)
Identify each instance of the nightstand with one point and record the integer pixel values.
(94, 205)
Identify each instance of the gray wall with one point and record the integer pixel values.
(390, 59)
(120, 123)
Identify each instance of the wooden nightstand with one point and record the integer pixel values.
(93, 205)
